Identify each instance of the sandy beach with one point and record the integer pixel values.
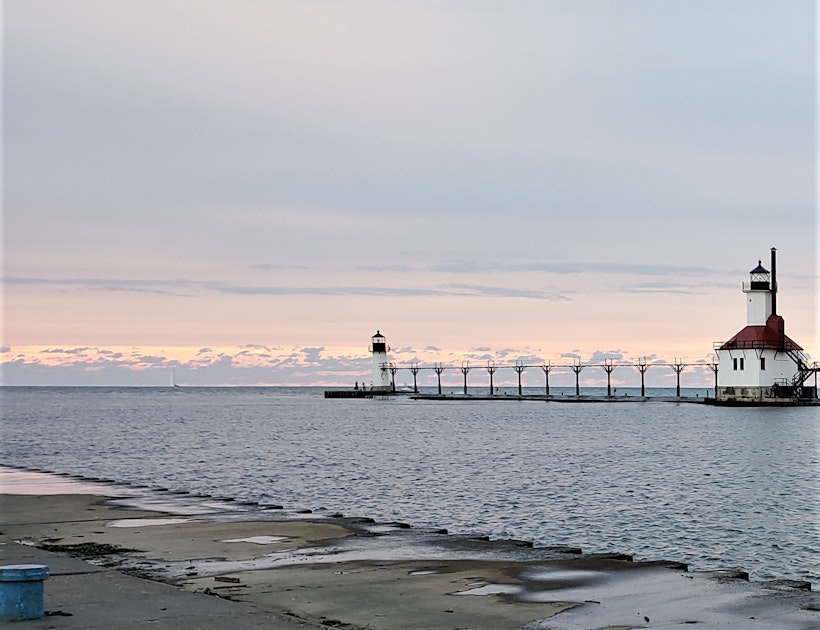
(130, 557)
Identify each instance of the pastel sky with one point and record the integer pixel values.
(243, 191)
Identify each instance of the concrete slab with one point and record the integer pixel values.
(80, 595)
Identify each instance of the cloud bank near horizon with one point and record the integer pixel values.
(260, 365)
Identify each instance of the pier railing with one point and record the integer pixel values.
(608, 365)
(753, 344)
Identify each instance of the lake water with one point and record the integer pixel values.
(716, 487)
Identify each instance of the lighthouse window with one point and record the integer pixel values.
(762, 363)
(737, 364)
(741, 363)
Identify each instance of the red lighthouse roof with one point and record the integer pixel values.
(771, 336)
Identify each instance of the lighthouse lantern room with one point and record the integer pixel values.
(761, 364)
(381, 375)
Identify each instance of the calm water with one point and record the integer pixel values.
(715, 487)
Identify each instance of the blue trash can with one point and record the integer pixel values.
(21, 591)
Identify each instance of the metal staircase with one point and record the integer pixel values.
(804, 370)
(794, 387)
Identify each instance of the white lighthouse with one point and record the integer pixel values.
(760, 364)
(381, 373)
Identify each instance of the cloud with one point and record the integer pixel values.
(155, 360)
(256, 346)
(277, 267)
(678, 288)
(530, 359)
(82, 350)
(601, 356)
(503, 353)
(402, 350)
(477, 290)
(107, 284)
(660, 287)
(313, 355)
(165, 286)
(618, 268)
(393, 268)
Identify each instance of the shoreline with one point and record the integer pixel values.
(317, 570)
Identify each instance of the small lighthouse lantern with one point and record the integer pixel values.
(381, 374)
(378, 343)
(760, 278)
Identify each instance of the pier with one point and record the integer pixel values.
(608, 366)
(348, 393)
(467, 390)
(389, 370)
(582, 398)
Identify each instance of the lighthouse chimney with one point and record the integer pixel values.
(774, 281)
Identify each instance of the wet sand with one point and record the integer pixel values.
(234, 565)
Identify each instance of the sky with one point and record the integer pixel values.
(242, 192)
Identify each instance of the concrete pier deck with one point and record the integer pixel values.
(583, 398)
(130, 557)
(561, 399)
